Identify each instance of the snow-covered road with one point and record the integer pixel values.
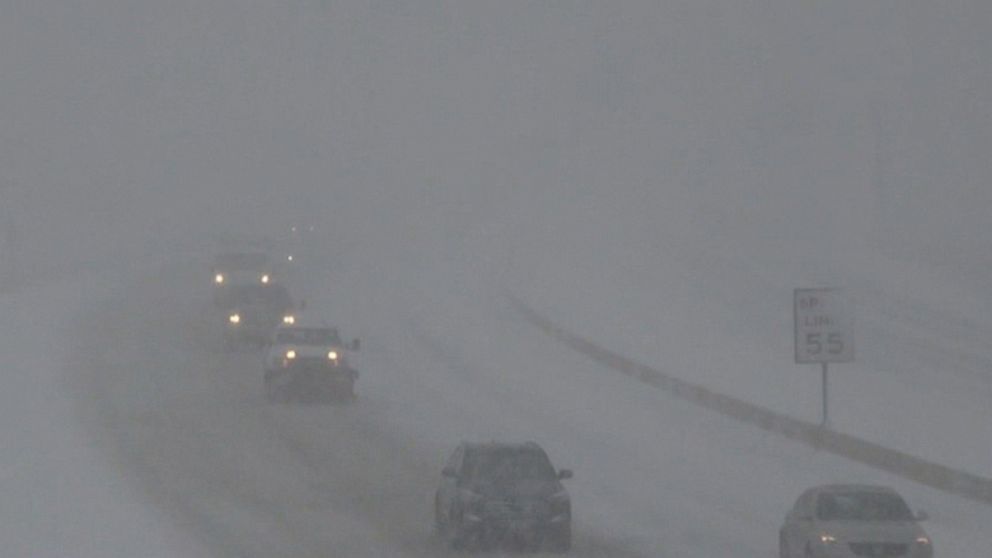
(198, 460)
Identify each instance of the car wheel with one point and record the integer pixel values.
(439, 527)
(275, 394)
(457, 538)
(344, 394)
(270, 390)
(561, 546)
(560, 541)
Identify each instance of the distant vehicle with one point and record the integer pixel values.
(301, 230)
(252, 312)
(241, 268)
(846, 520)
(503, 494)
(296, 244)
(307, 363)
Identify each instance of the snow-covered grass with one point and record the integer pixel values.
(920, 382)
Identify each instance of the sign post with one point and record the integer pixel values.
(826, 408)
(824, 332)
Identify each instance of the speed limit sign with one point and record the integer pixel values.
(824, 326)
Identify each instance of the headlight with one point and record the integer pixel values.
(289, 257)
(290, 319)
(333, 355)
(923, 541)
(234, 319)
(827, 538)
(265, 279)
(219, 278)
(290, 354)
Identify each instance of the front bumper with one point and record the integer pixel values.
(314, 381)
(517, 530)
(872, 550)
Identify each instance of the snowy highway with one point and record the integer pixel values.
(655, 476)
(655, 177)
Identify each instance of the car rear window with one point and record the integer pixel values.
(508, 463)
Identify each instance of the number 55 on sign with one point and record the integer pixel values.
(824, 326)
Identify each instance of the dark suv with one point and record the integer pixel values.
(501, 494)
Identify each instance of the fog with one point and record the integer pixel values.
(656, 177)
(826, 127)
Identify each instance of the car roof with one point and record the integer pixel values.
(855, 488)
(502, 446)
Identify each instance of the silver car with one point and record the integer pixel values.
(848, 520)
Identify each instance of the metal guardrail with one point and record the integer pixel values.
(928, 473)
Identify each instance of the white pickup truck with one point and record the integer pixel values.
(307, 363)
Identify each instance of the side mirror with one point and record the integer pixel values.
(449, 472)
(355, 345)
(921, 515)
(565, 474)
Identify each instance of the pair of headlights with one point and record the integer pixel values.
(236, 319)
(331, 355)
(220, 278)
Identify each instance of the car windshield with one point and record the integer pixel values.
(241, 261)
(496, 465)
(308, 336)
(862, 506)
